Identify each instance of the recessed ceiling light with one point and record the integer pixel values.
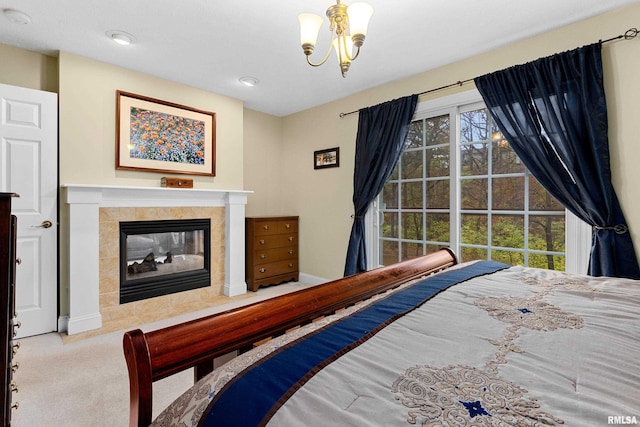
(16, 16)
(121, 37)
(249, 81)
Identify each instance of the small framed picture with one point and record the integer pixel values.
(329, 158)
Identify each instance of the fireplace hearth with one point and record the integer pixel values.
(163, 257)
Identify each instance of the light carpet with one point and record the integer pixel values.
(85, 383)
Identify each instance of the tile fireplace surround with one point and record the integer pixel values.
(93, 214)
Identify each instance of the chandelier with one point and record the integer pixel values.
(348, 26)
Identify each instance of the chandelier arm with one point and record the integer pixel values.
(326, 56)
(351, 58)
(348, 55)
(345, 50)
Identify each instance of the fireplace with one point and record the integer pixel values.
(163, 257)
(91, 271)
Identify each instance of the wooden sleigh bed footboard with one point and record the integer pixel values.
(154, 355)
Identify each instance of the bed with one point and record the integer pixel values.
(426, 341)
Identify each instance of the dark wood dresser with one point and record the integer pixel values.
(271, 250)
(8, 225)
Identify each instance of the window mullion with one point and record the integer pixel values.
(454, 181)
(424, 187)
(399, 204)
(489, 195)
(526, 219)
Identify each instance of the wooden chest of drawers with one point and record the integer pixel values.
(271, 250)
(8, 229)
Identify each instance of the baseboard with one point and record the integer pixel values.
(63, 323)
(84, 323)
(233, 289)
(311, 280)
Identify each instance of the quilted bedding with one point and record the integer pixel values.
(482, 344)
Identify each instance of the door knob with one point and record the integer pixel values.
(46, 224)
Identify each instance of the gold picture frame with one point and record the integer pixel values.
(160, 136)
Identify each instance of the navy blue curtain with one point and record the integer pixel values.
(382, 130)
(553, 113)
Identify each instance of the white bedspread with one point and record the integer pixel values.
(517, 347)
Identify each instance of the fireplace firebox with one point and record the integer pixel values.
(163, 257)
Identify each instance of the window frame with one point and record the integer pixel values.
(577, 232)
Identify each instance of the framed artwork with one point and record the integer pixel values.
(160, 136)
(329, 158)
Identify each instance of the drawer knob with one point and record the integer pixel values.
(15, 328)
(291, 239)
(290, 265)
(15, 348)
(15, 367)
(266, 227)
(262, 256)
(262, 242)
(14, 386)
(287, 226)
(262, 270)
(15, 405)
(290, 252)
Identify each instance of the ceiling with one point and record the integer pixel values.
(210, 44)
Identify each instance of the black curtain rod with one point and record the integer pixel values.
(628, 35)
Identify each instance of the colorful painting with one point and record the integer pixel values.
(164, 137)
(160, 136)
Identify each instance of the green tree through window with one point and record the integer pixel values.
(460, 184)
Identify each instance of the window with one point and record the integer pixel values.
(459, 184)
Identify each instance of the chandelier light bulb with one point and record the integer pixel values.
(309, 28)
(359, 16)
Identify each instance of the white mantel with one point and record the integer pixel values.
(84, 202)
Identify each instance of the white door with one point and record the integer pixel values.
(29, 167)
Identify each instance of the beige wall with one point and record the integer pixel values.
(19, 67)
(263, 163)
(88, 117)
(322, 198)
